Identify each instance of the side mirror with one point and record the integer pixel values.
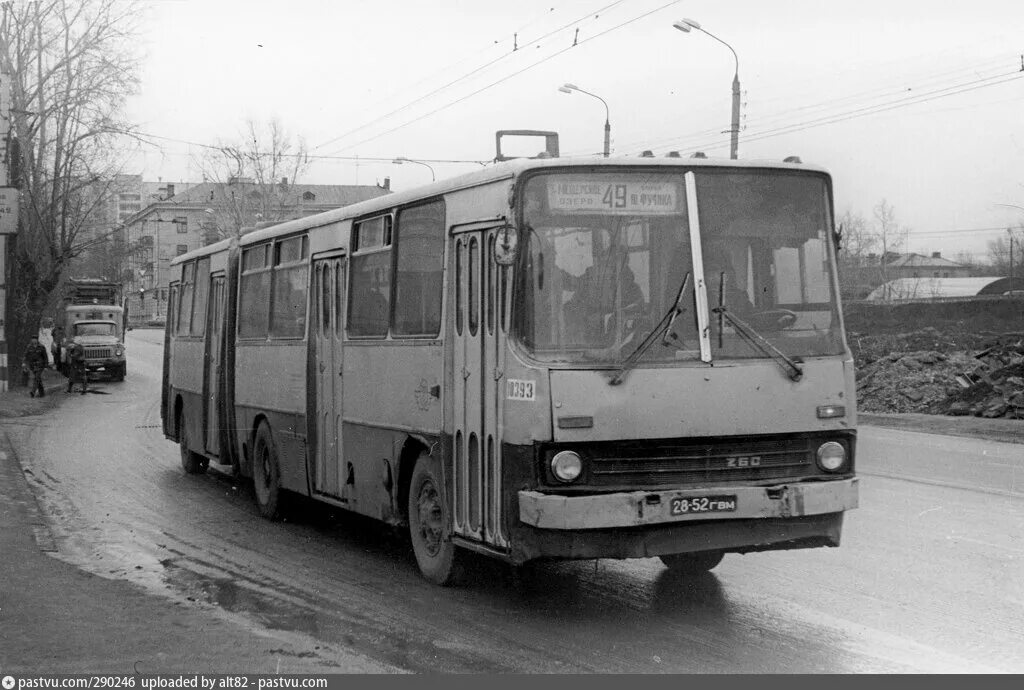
(506, 245)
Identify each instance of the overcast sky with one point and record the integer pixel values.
(920, 103)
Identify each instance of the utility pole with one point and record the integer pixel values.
(1010, 233)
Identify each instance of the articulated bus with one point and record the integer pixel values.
(546, 358)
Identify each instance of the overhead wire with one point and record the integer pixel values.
(880, 93)
(513, 74)
(462, 77)
(466, 58)
(863, 111)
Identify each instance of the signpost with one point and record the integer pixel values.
(8, 226)
(8, 211)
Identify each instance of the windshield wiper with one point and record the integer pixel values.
(664, 325)
(749, 335)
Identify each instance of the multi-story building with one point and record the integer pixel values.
(209, 211)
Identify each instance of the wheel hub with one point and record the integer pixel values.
(431, 517)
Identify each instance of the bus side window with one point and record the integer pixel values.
(202, 294)
(290, 273)
(325, 299)
(420, 263)
(370, 296)
(339, 292)
(188, 279)
(488, 283)
(472, 284)
(254, 291)
(172, 309)
(458, 287)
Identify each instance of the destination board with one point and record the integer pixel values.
(616, 195)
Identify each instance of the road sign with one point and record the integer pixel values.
(8, 210)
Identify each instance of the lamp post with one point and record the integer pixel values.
(403, 159)
(569, 88)
(686, 25)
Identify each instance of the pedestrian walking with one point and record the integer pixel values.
(35, 360)
(76, 366)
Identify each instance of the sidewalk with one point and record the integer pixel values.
(55, 618)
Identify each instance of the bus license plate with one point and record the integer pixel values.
(703, 504)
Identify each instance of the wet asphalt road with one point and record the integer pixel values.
(930, 577)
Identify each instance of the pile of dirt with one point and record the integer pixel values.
(994, 387)
(980, 374)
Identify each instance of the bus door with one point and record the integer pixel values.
(325, 338)
(476, 358)
(212, 413)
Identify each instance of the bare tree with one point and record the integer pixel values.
(1000, 255)
(255, 175)
(888, 231)
(966, 258)
(858, 266)
(858, 239)
(71, 67)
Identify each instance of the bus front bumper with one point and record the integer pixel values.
(639, 508)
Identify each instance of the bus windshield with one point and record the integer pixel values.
(608, 262)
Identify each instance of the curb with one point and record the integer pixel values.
(1001, 430)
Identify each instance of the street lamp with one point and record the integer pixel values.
(569, 88)
(686, 25)
(403, 159)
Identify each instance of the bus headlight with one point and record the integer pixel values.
(831, 456)
(566, 466)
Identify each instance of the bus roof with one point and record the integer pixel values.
(491, 173)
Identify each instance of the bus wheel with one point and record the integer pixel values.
(692, 563)
(266, 474)
(439, 559)
(191, 462)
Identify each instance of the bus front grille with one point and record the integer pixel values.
(689, 463)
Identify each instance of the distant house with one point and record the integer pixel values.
(859, 276)
(920, 266)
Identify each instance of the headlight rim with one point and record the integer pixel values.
(565, 454)
(844, 463)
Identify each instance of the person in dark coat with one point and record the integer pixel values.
(76, 366)
(35, 360)
(58, 342)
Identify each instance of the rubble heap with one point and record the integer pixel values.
(994, 387)
(980, 374)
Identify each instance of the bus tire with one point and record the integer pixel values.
(438, 558)
(692, 563)
(266, 474)
(191, 462)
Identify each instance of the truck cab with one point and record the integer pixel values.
(102, 342)
(93, 315)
